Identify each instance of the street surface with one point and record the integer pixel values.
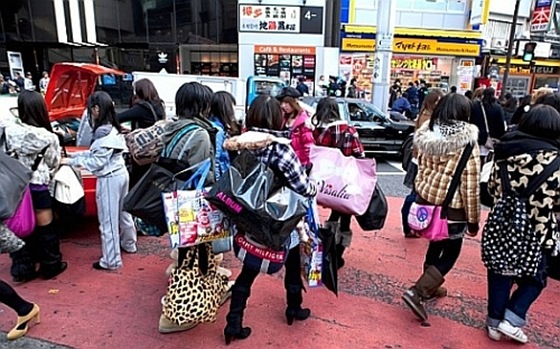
(84, 308)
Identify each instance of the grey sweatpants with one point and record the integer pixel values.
(117, 228)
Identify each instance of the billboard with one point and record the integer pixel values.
(542, 18)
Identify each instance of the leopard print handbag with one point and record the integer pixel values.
(9, 242)
(194, 291)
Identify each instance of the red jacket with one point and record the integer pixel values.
(301, 136)
(340, 135)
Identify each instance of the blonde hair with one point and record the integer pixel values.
(540, 92)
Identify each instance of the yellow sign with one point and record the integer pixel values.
(415, 46)
(414, 63)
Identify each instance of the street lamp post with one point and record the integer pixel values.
(510, 47)
(386, 18)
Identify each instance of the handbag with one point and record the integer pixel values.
(258, 256)
(195, 288)
(145, 145)
(191, 219)
(9, 242)
(374, 217)
(22, 223)
(431, 220)
(18, 175)
(344, 183)
(67, 192)
(257, 200)
(485, 198)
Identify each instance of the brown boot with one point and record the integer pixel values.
(426, 285)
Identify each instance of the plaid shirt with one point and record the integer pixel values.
(435, 172)
(331, 135)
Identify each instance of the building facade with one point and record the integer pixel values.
(195, 36)
(525, 77)
(434, 41)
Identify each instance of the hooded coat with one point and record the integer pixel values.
(439, 152)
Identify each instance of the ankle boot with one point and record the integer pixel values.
(23, 265)
(234, 328)
(426, 285)
(50, 255)
(294, 311)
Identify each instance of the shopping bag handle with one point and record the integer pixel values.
(201, 173)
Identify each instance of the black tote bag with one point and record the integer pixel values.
(257, 201)
(374, 218)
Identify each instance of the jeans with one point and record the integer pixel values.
(513, 307)
(444, 254)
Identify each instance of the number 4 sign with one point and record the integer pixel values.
(311, 20)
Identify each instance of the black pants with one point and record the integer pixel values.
(292, 275)
(443, 254)
(9, 297)
(344, 218)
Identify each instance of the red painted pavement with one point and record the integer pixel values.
(84, 308)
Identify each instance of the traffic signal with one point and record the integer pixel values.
(529, 51)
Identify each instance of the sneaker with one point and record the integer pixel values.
(493, 333)
(515, 333)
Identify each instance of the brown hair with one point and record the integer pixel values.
(146, 91)
(478, 93)
(294, 104)
(265, 112)
(428, 106)
(541, 92)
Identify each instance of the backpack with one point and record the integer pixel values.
(145, 145)
(510, 244)
(221, 155)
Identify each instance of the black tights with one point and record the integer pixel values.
(292, 276)
(443, 254)
(9, 297)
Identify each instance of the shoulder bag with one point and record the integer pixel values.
(431, 220)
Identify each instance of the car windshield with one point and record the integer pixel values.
(361, 111)
(268, 87)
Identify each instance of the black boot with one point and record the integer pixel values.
(23, 265)
(50, 256)
(234, 328)
(294, 310)
(339, 252)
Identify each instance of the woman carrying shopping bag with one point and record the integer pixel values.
(441, 143)
(265, 114)
(105, 160)
(31, 140)
(331, 131)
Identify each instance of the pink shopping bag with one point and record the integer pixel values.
(345, 184)
(22, 223)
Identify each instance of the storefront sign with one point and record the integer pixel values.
(414, 63)
(541, 20)
(291, 50)
(426, 46)
(545, 70)
(281, 19)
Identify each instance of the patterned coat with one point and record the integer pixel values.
(26, 142)
(331, 135)
(439, 152)
(526, 158)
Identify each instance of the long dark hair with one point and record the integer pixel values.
(144, 90)
(32, 110)
(489, 97)
(550, 99)
(541, 121)
(193, 100)
(107, 113)
(265, 112)
(222, 109)
(327, 112)
(450, 109)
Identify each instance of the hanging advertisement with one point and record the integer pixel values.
(287, 62)
(280, 19)
(15, 63)
(542, 16)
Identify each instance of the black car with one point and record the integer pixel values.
(378, 132)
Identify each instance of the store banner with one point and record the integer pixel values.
(414, 45)
(542, 16)
(281, 19)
